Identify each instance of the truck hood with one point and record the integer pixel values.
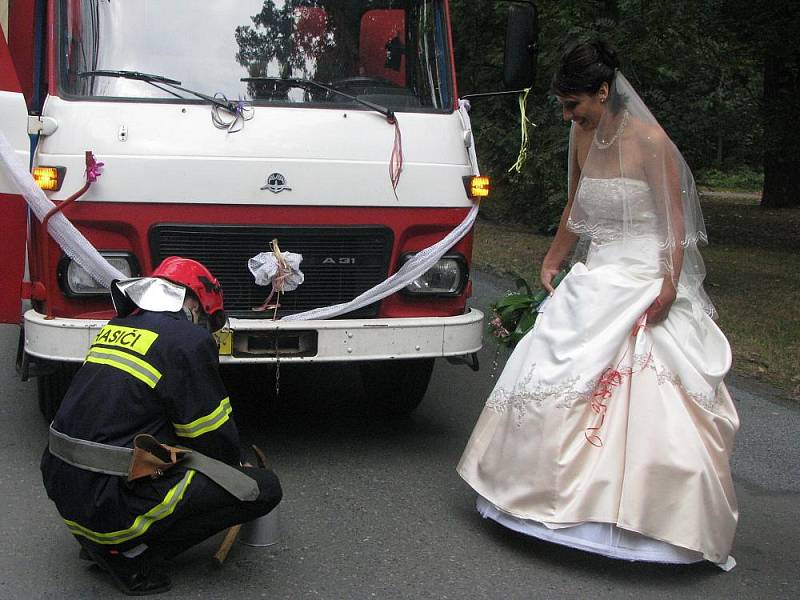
(168, 152)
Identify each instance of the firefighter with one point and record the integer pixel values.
(116, 465)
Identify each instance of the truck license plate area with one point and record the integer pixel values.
(275, 343)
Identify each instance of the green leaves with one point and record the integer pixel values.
(514, 315)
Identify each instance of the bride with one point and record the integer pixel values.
(610, 429)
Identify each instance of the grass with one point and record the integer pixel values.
(741, 179)
(753, 265)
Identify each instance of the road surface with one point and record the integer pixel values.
(374, 509)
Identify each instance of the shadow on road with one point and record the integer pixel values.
(333, 409)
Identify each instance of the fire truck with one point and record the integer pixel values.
(332, 126)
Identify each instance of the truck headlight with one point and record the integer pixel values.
(75, 281)
(446, 278)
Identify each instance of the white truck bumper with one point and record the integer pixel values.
(254, 341)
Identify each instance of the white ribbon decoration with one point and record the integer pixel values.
(420, 263)
(72, 241)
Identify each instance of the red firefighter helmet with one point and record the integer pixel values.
(194, 276)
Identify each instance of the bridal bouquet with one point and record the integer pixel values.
(514, 314)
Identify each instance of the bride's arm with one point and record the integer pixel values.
(663, 175)
(564, 239)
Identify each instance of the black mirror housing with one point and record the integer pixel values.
(522, 32)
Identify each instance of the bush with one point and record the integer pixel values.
(739, 179)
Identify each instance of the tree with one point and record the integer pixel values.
(770, 30)
(700, 80)
(781, 127)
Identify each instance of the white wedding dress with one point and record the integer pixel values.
(607, 437)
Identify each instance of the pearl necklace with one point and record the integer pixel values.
(602, 145)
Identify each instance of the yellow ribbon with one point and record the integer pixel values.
(524, 124)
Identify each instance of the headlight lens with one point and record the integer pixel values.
(75, 281)
(446, 278)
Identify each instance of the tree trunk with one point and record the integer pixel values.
(781, 128)
(720, 133)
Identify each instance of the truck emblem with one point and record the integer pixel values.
(276, 183)
(341, 260)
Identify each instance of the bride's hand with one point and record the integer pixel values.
(659, 309)
(546, 276)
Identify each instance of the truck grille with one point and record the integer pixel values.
(339, 263)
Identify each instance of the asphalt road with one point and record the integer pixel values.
(374, 509)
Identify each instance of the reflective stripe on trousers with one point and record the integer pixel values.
(141, 523)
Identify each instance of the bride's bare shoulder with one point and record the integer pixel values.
(647, 134)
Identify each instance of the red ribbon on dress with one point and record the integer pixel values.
(608, 380)
(611, 378)
(641, 323)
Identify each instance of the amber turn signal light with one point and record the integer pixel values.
(49, 179)
(477, 186)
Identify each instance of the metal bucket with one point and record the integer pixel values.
(261, 532)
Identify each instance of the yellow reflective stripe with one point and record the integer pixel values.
(130, 338)
(143, 371)
(210, 422)
(141, 523)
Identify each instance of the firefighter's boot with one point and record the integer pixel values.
(133, 576)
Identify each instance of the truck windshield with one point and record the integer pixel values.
(392, 53)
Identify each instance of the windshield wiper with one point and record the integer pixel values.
(129, 75)
(153, 80)
(310, 83)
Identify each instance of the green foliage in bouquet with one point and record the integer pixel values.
(514, 314)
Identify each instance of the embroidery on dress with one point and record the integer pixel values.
(641, 360)
(526, 392)
(573, 390)
(708, 400)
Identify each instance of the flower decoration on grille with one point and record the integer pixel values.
(279, 269)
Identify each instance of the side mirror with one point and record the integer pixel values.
(522, 33)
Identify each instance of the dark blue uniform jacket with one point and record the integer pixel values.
(153, 373)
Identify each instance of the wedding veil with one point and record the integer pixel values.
(647, 193)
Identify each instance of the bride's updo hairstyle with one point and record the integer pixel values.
(584, 67)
